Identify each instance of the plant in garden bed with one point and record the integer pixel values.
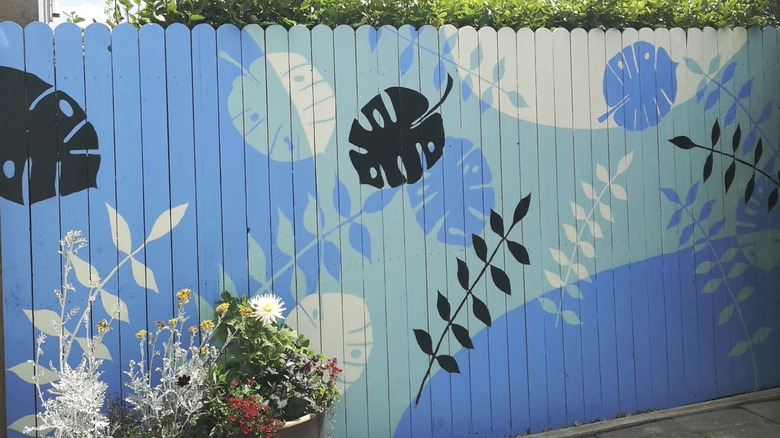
(76, 396)
(168, 408)
(268, 371)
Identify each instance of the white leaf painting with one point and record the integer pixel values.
(624, 163)
(256, 261)
(226, 283)
(114, 306)
(602, 174)
(120, 232)
(142, 275)
(326, 316)
(24, 422)
(167, 221)
(47, 321)
(84, 271)
(285, 239)
(588, 190)
(311, 98)
(310, 215)
(618, 192)
(26, 370)
(554, 279)
(100, 350)
(559, 257)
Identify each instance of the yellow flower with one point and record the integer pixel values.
(222, 308)
(204, 350)
(141, 333)
(207, 325)
(193, 329)
(184, 295)
(160, 324)
(172, 321)
(245, 312)
(103, 326)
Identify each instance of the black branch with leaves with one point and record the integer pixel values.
(480, 309)
(684, 142)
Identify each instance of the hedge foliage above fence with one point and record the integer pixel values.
(516, 14)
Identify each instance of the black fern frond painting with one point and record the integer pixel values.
(480, 309)
(402, 131)
(751, 163)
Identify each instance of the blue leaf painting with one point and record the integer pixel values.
(516, 99)
(360, 239)
(712, 99)
(466, 177)
(439, 75)
(746, 89)
(675, 219)
(706, 209)
(341, 199)
(765, 113)
(637, 104)
(750, 140)
(731, 115)
(331, 256)
(690, 197)
(716, 228)
(407, 56)
(686, 234)
(728, 72)
(671, 195)
(465, 89)
(379, 200)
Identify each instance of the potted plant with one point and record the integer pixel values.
(270, 382)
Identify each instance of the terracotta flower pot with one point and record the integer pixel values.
(308, 426)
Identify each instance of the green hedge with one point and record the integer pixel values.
(516, 14)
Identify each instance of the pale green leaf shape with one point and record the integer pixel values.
(100, 350)
(27, 421)
(284, 235)
(729, 255)
(725, 314)
(760, 248)
(327, 316)
(84, 271)
(571, 233)
(559, 257)
(704, 267)
(256, 261)
(714, 64)
(606, 212)
(574, 291)
(206, 309)
(587, 249)
(554, 279)
(737, 270)
(166, 222)
(624, 163)
(226, 283)
(310, 216)
(311, 96)
(595, 229)
(25, 372)
(745, 293)
(548, 305)
(142, 275)
(588, 190)
(298, 286)
(114, 306)
(578, 211)
(739, 349)
(761, 335)
(618, 192)
(120, 231)
(47, 321)
(580, 270)
(693, 66)
(570, 317)
(602, 174)
(712, 286)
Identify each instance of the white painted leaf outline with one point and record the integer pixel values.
(166, 222)
(120, 231)
(25, 372)
(114, 306)
(142, 275)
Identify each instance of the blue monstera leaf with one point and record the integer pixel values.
(464, 180)
(640, 86)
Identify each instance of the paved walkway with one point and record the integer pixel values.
(754, 415)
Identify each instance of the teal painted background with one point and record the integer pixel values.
(598, 236)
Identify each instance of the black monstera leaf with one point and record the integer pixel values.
(391, 150)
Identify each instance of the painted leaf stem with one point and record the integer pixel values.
(481, 312)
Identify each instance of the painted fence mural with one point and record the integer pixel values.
(496, 232)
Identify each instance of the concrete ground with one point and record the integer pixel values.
(754, 415)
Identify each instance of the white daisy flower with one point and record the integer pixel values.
(267, 307)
